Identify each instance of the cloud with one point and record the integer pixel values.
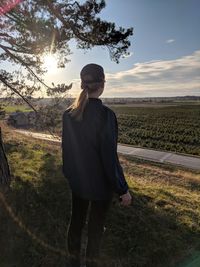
(157, 78)
(169, 41)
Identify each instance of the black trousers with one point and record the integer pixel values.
(96, 220)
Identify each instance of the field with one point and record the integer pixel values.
(163, 126)
(13, 108)
(160, 228)
(172, 128)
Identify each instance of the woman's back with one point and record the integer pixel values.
(82, 150)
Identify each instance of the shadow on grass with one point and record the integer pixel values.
(42, 215)
(136, 236)
(146, 236)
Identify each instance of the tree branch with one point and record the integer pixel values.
(14, 50)
(3, 80)
(26, 65)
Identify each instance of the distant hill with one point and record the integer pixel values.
(121, 100)
(151, 99)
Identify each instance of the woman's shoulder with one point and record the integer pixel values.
(108, 115)
(109, 112)
(66, 112)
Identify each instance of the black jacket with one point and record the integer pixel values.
(89, 152)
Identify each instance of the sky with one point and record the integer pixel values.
(164, 53)
(165, 50)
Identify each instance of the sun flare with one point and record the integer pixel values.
(50, 63)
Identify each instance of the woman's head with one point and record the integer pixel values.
(92, 85)
(92, 78)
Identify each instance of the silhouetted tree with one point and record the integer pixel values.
(31, 28)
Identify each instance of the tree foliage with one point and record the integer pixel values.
(30, 29)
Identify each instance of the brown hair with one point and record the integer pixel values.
(92, 78)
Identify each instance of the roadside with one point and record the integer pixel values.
(187, 161)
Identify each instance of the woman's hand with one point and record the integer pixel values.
(126, 199)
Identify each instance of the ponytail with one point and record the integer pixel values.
(78, 105)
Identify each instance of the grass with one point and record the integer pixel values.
(13, 108)
(160, 228)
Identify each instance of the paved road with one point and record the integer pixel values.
(143, 153)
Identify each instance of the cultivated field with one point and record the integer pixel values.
(172, 128)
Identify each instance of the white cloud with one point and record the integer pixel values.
(157, 78)
(169, 41)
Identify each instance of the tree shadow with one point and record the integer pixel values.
(145, 235)
(34, 219)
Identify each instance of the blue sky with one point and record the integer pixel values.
(154, 22)
(165, 50)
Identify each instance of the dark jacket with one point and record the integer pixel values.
(89, 152)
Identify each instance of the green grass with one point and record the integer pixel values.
(13, 108)
(160, 228)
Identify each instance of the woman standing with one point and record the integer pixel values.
(91, 164)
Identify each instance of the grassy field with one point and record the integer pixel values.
(160, 228)
(13, 108)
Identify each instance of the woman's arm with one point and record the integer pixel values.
(109, 156)
(64, 141)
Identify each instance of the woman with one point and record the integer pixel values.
(91, 164)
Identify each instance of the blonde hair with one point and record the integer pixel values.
(92, 78)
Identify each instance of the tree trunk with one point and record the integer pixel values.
(4, 167)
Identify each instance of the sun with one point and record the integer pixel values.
(50, 63)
